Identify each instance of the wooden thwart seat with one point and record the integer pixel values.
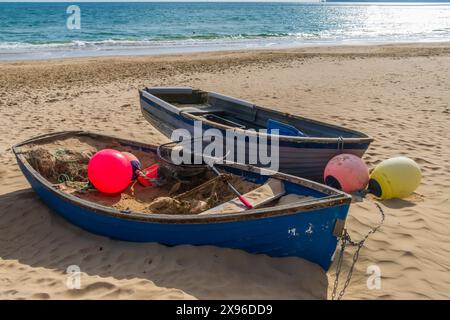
(271, 190)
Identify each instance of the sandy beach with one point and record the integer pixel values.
(398, 94)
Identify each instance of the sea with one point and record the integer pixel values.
(58, 30)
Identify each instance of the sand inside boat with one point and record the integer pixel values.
(64, 163)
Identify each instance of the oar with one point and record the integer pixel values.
(244, 201)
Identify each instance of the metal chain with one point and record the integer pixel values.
(344, 240)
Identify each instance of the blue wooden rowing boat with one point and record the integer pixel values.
(307, 228)
(305, 145)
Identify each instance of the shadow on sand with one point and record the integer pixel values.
(36, 236)
(398, 203)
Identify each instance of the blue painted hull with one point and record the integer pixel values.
(306, 234)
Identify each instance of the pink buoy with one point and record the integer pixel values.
(109, 171)
(130, 156)
(135, 164)
(346, 172)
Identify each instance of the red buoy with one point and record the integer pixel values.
(109, 171)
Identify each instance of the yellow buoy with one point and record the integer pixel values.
(395, 178)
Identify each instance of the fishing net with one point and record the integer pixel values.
(201, 198)
(180, 189)
(60, 166)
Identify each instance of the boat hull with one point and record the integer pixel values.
(303, 159)
(307, 231)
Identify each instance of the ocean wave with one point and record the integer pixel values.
(200, 39)
(80, 48)
(217, 39)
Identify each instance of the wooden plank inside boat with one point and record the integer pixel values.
(268, 192)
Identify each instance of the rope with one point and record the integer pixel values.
(87, 186)
(60, 152)
(344, 241)
(64, 178)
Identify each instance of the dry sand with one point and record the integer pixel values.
(399, 94)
